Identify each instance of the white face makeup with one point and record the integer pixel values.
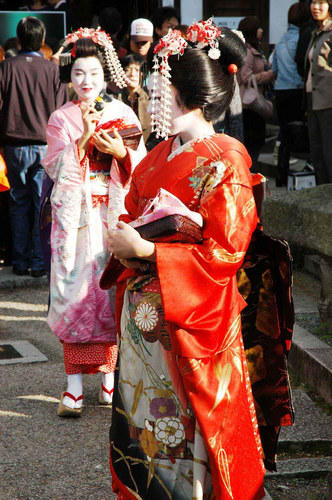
(87, 77)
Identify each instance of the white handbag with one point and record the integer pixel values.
(254, 100)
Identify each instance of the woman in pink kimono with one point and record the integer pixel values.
(86, 200)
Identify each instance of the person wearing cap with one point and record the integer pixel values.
(141, 36)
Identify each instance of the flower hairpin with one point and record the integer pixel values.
(205, 33)
(100, 38)
(171, 44)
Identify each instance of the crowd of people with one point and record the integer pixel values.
(124, 191)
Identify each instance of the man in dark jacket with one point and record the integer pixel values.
(30, 91)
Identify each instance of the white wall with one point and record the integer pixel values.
(278, 18)
(191, 10)
(168, 3)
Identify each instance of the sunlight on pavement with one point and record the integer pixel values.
(4, 413)
(39, 397)
(22, 318)
(24, 307)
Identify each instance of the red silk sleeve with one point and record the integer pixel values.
(198, 282)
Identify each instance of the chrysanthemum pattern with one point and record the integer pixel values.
(170, 431)
(146, 317)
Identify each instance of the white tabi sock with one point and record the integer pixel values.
(74, 387)
(108, 383)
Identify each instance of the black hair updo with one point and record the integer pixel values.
(84, 47)
(207, 83)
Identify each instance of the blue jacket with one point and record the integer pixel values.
(283, 64)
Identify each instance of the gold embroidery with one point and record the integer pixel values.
(232, 334)
(224, 256)
(137, 395)
(190, 366)
(224, 470)
(224, 375)
(249, 205)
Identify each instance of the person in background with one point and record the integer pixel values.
(11, 43)
(303, 44)
(30, 91)
(163, 19)
(123, 7)
(318, 86)
(11, 53)
(289, 84)
(36, 5)
(47, 51)
(5, 233)
(78, 12)
(110, 21)
(141, 37)
(256, 64)
(134, 95)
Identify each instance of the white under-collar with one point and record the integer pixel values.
(177, 148)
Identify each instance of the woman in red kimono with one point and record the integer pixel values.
(184, 424)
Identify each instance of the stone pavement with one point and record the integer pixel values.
(41, 455)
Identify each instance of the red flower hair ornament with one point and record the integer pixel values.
(203, 34)
(104, 41)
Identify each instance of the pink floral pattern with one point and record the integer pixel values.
(80, 311)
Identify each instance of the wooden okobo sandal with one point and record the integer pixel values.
(101, 398)
(66, 411)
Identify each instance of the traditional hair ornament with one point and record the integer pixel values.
(171, 44)
(232, 68)
(203, 34)
(100, 38)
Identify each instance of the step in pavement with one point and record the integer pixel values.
(309, 468)
(9, 280)
(311, 423)
(311, 432)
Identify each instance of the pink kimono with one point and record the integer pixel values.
(80, 312)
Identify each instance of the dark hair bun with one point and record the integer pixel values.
(84, 47)
(232, 49)
(206, 83)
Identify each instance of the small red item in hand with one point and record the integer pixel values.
(129, 132)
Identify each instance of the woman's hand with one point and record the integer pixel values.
(106, 144)
(90, 119)
(124, 242)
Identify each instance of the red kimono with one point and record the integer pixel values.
(184, 423)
